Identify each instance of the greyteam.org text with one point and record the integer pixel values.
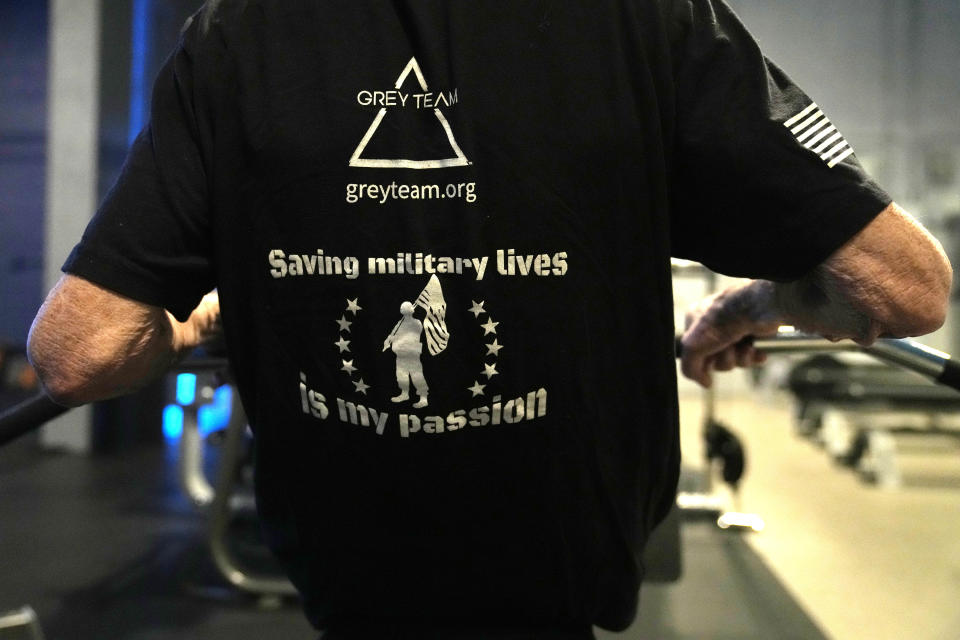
(382, 193)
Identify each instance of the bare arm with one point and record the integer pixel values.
(890, 280)
(88, 343)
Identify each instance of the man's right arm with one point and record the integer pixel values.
(890, 280)
(89, 343)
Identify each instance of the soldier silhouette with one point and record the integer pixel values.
(404, 340)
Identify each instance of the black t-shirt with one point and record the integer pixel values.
(441, 234)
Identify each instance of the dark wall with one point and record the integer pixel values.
(23, 91)
(133, 420)
(158, 24)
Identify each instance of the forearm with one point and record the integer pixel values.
(89, 344)
(822, 304)
(863, 295)
(892, 280)
(817, 303)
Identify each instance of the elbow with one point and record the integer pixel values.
(935, 315)
(933, 312)
(61, 385)
(927, 321)
(937, 282)
(923, 305)
(63, 391)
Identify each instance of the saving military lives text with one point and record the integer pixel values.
(507, 262)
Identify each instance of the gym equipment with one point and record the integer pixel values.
(21, 624)
(724, 453)
(722, 447)
(27, 416)
(875, 449)
(854, 406)
(230, 500)
(911, 355)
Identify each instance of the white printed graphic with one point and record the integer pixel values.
(431, 300)
(493, 348)
(399, 99)
(814, 131)
(488, 407)
(406, 345)
(343, 346)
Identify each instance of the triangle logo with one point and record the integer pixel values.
(455, 160)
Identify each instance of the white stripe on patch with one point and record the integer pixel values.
(795, 119)
(812, 130)
(840, 158)
(815, 132)
(829, 154)
(820, 136)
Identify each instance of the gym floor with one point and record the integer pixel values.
(109, 548)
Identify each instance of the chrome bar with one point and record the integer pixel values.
(795, 342)
(684, 267)
(903, 352)
(192, 479)
(911, 355)
(227, 563)
(23, 619)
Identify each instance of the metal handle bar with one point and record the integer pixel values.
(909, 354)
(34, 412)
(30, 414)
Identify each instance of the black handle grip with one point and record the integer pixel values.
(950, 375)
(28, 415)
(678, 344)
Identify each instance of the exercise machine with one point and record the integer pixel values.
(223, 505)
(861, 411)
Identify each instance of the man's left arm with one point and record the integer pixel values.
(88, 343)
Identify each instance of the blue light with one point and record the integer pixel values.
(216, 415)
(140, 39)
(186, 388)
(172, 422)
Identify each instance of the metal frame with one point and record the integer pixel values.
(902, 352)
(228, 564)
(218, 498)
(23, 619)
(880, 458)
(905, 353)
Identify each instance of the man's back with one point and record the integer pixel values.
(497, 148)
(523, 171)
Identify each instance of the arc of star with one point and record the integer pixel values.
(489, 327)
(342, 344)
(493, 349)
(476, 389)
(353, 307)
(361, 386)
(489, 370)
(348, 367)
(477, 308)
(344, 323)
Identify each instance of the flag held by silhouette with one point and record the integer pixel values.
(434, 325)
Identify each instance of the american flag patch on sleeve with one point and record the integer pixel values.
(814, 131)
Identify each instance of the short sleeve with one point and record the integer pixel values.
(150, 239)
(763, 183)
